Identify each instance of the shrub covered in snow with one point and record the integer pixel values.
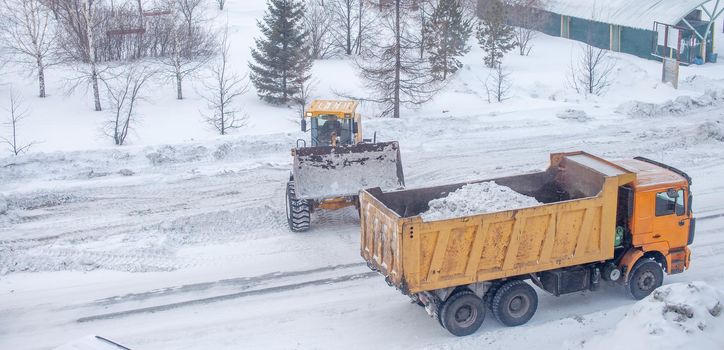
(674, 316)
(477, 198)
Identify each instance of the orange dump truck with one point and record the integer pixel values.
(625, 221)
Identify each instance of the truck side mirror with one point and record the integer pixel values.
(355, 128)
(672, 193)
(304, 125)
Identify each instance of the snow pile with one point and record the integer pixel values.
(675, 316)
(573, 114)
(711, 130)
(678, 106)
(3, 205)
(477, 198)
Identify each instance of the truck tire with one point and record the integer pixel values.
(514, 303)
(462, 313)
(646, 276)
(490, 294)
(298, 211)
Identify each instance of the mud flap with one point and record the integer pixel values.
(324, 172)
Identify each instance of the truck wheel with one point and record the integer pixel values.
(462, 313)
(298, 211)
(514, 303)
(646, 276)
(490, 294)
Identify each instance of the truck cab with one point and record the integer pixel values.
(659, 222)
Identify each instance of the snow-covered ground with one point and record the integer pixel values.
(179, 240)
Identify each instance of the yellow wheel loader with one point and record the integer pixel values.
(338, 162)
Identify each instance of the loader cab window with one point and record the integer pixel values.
(328, 125)
(670, 202)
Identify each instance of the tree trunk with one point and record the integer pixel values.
(15, 140)
(359, 27)
(349, 27)
(179, 91)
(396, 111)
(41, 78)
(96, 92)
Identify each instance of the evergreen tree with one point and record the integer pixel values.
(494, 35)
(447, 33)
(282, 58)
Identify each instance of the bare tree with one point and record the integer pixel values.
(188, 52)
(498, 85)
(191, 11)
(305, 92)
(318, 22)
(77, 18)
(591, 71)
(393, 69)
(526, 17)
(29, 35)
(221, 4)
(345, 16)
(17, 112)
(124, 90)
(366, 26)
(223, 90)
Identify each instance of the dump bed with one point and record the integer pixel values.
(575, 224)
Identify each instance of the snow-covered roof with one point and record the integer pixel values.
(630, 13)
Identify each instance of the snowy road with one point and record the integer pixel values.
(186, 247)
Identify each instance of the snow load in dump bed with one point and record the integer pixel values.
(324, 172)
(571, 176)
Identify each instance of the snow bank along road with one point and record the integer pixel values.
(186, 247)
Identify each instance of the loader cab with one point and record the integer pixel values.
(332, 123)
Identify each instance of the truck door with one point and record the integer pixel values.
(671, 220)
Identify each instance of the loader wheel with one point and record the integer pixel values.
(514, 303)
(646, 276)
(462, 313)
(298, 211)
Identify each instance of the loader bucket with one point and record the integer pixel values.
(324, 172)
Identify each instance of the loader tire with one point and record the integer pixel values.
(646, 276)
(514, 303)
(298, 211)
(462, 313)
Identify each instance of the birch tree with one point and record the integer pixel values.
(77, 18)
(29, 36)
(222, 91)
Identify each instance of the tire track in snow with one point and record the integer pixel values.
(276, 289)
(238, 282)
